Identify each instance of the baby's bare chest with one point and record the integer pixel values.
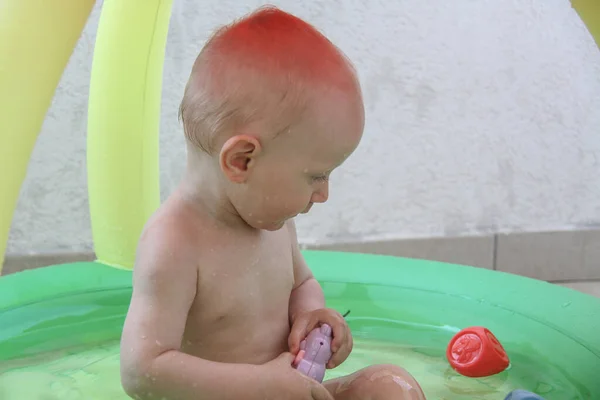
(244, 285)
(240, 313)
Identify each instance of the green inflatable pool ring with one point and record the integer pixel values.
(62, 337)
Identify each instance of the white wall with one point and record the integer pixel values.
(481, 116)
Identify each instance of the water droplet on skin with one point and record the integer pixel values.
(157, 342)
(144, 336)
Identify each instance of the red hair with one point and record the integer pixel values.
(259, 69)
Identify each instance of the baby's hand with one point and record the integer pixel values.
(284, 382)
(341, 345)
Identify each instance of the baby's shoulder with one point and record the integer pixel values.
(164, 259)
(167, 226)
(169, 234)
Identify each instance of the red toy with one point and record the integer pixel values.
(475, 352)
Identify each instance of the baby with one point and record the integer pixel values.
(222, 296)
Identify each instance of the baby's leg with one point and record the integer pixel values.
(376, 382)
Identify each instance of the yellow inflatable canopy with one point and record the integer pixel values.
(123, 124)
(589, 11)
(37, 38)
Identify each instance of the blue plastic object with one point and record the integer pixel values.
(520, 394)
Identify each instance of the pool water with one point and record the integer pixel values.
(93, 373)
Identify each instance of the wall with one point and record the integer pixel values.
(482, 117)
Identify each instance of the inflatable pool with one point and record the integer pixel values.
(60, 325)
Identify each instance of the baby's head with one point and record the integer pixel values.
(275, 107)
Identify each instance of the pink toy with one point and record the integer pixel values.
(315, 352)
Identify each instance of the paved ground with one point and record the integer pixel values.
(589, 287)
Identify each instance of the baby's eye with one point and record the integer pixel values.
(321, 178)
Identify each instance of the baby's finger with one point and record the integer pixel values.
(343, 351)
(339, 357)
(349, 340)
(340, 333)
(300, 328)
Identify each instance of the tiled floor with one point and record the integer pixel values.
(589, 287)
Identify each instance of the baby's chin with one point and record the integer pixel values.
(268, 226)
(275, 227)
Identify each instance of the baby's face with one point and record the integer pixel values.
(293, 174)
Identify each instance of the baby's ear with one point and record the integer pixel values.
(237, 157)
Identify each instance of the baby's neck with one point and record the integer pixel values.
(202, 190)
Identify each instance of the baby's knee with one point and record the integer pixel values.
(383, 382)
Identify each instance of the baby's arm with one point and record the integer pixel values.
(307, 294)
(152, 367)
(307, 309)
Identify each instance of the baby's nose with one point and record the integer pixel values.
(321, 195)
